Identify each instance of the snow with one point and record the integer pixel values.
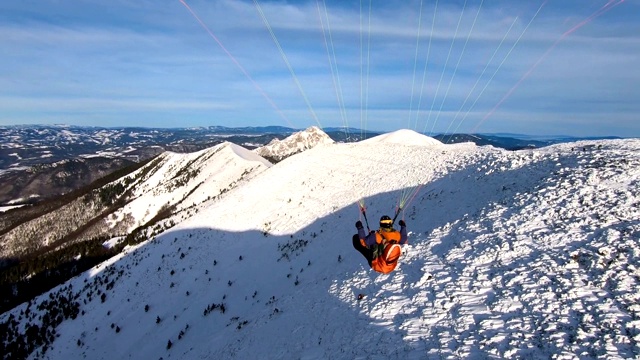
(404, 137)
(113, 242)
(247, 155)
(526, 254)
(295, 143)
(7, 208)
(187, 180)
(21, 200)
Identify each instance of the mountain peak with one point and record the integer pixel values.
(404, 137)
(246, 154)
(278, 150)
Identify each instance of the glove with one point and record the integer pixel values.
(402, 223)
(358, 224)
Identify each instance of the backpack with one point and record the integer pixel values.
(386, 254)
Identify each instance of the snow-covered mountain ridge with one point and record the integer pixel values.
(183, 181)
(523, 254)
(171, 183)
(31, 157)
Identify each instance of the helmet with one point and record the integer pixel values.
(386, 222)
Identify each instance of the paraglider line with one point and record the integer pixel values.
(363, 211)
(502, 62)
(237, 63)
(453, 41)
(477, 82)
(366, 100)
(286, 61)
(608, 6)
(457, 65)
(361, 77)
(426, 64)
(335, 75)
(415, 63)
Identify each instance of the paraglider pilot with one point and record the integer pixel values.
(381, 248)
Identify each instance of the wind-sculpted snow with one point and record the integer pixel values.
(527, 254)
(552, 272)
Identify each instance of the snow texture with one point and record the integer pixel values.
(526, 254)
(188, 180)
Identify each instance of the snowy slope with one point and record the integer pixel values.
(528, 254)
(186, 180)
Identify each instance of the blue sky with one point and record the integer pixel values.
(474, 66)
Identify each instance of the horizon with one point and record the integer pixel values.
(566, 68)
(498, 134)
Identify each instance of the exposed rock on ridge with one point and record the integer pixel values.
(278, 150)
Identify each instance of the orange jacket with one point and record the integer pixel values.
(376, 237)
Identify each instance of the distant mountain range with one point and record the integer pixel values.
(42, 161)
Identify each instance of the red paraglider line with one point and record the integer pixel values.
(608, 6)
(235, 61)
